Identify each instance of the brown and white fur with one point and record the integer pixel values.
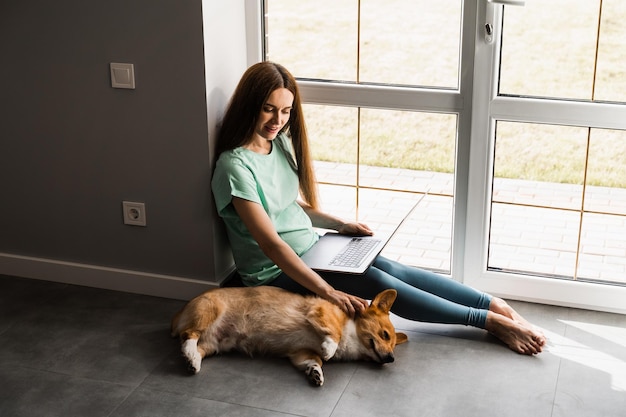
(267, 320)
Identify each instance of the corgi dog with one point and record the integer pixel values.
(271, 321)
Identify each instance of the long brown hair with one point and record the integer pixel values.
(243, 111)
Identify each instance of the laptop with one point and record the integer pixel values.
(334, 252)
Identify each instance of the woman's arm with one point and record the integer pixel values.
(327, 221)
(260, 226)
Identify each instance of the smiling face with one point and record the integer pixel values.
(273, 116)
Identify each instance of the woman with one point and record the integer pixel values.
(264, 165)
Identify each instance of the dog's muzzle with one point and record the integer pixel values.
(387, 358)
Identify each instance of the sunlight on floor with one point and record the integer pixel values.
(589, 356)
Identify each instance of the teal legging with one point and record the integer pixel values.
(422, 295)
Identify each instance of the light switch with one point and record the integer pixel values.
(122, 75)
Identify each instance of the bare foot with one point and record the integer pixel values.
(500, 306)
(515, 335)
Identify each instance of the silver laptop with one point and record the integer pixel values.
(334, 252)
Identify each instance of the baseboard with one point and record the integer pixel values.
(137, 282)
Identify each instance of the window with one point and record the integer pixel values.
(519, 137)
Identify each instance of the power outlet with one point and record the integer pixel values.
(134, 213)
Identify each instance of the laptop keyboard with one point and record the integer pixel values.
(354, 252)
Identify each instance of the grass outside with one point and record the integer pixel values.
(416, 42)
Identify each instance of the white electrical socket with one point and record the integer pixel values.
(134, 213)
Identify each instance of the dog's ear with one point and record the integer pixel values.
(384, 300)
(401, 338)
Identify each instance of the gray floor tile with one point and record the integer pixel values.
(122, 355)
(591, 388)
(21, 298)
(161, 404)
(90, 333)
(592, 377)
(31, 393)
(601, 332)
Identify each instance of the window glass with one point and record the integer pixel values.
(333, 137)
(537, 197)
(549, 49)
(539, 164)
(417, 141)
(606, 172)
(425, 239)
(338, 199)
(313, 39)
(602, 249)
(414, 42)
(533, 240)
(611, 77)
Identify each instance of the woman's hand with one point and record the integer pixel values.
(350, 304)
(355, 229)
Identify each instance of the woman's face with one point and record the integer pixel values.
(274, 114)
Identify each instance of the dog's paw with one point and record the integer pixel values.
(193, 368)
(315, 375)
(191, 354)
(329, 347)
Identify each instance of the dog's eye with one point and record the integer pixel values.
(386, 335)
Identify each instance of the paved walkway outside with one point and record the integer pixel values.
(539, 240)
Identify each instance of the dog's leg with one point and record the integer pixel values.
(327, 325)
(309, 362)
(191, 353)
(192, 324)
(329, 347)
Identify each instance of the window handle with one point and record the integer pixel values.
(488, 25)
(488, 32)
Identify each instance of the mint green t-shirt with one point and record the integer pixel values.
(270, 181)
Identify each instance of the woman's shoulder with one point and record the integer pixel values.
(228, 164)
(232, 157)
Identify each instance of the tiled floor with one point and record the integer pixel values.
(76, 351)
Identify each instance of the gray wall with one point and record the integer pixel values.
(72, 148)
